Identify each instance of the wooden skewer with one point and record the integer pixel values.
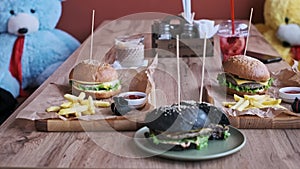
(248, 35)
(178, 70)
(151, 80)
(92, 35)
(203, 68)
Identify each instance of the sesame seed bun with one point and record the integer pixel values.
(88, 75)
(91, 71)
(246, 67)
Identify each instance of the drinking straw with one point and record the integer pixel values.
(92, 35)
(232, 16)
(203, 68)
(184, 8)
(178, 70)
(187, 11)
(249, 26)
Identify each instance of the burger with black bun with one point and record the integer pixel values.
(96, 79)
(188, 126)
(244, 75)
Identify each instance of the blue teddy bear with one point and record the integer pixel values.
(31, 49)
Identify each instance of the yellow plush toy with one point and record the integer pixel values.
(282, 28)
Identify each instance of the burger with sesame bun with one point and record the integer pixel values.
(244, 75)
(96, 79)
(187, 126)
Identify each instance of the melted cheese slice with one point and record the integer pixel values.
(242, 81)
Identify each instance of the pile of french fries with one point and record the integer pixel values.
(76, 106)
(253, 101)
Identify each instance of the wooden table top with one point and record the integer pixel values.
(22, 146)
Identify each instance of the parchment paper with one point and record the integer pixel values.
(139, 79)
(283, 78)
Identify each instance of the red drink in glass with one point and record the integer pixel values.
(232, 44)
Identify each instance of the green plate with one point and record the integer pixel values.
(215, 148)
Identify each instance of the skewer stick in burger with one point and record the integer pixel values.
(245, 75)
(96, 79)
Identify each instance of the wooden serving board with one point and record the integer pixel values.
(104, 119)
(282, 121)
(132, 121)
(255, 122)
(118, 123)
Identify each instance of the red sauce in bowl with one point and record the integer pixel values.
(133, 97)
(293, 92)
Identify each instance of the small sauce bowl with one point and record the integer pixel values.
(134, 98)
(289, 94)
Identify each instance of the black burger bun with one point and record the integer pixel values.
(170, 119)
(191, 116)
(184, 127)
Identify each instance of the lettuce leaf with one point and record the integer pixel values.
(222, 81)
(200, 141)
(99, 87)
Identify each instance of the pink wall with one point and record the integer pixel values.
(76, 17)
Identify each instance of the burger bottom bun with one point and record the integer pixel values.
(232, 92)
(97, 94)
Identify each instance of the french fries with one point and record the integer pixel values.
(253, 101)
(77, 106)
(53, 109)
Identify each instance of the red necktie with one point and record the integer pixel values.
(15, 66)
(296, 52)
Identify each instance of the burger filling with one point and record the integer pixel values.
(185, 139)
(106, 86)
(199, 141)
(243, 85)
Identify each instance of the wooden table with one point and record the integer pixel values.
(22, 146)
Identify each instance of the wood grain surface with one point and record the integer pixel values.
(22, 146)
